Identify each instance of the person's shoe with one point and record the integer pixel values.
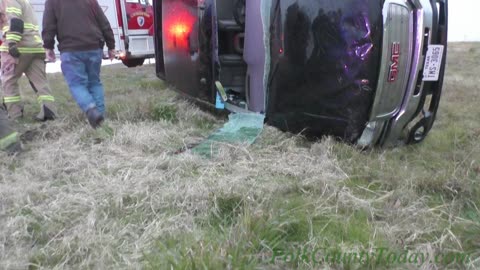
(95, 118)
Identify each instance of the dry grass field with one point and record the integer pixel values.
(79, 199)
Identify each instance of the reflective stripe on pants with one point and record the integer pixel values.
(5, 142)
(33, 66)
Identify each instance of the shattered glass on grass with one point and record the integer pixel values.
(241, 128)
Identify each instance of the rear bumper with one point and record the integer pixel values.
(405, 105)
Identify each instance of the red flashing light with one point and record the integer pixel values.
(179, 25)
(180, 30)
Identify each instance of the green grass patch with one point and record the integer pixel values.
(238, 236)
(165, 112)
(225, 210)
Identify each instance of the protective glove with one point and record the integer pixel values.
(13, 50)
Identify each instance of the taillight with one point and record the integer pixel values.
(180, 30)
(178, 24)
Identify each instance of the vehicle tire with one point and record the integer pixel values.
(133, 62)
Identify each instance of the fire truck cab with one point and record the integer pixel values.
(132, 25)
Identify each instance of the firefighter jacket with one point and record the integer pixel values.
(20, 26)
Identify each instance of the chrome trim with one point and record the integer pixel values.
(371, 134)
(398, 26)
(394, 12)
(424, 19)
(388, 120)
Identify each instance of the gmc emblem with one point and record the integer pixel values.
(393, 73)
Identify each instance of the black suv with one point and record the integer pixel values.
(367, 71)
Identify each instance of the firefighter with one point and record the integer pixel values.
(22, 53)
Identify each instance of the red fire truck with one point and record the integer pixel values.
(132, 25)
(135, 30)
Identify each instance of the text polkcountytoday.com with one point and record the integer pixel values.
(322, 255)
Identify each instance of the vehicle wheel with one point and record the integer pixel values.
(133, 62)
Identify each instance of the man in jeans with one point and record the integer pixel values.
(82, 29)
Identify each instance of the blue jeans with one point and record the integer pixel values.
(82, 72)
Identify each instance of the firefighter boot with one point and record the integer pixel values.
(47, 112)
(46, 101)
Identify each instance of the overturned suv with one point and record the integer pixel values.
(369, 72)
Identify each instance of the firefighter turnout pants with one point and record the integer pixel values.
(33, 66)
(8, 136)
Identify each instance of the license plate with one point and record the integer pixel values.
(433, 63)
